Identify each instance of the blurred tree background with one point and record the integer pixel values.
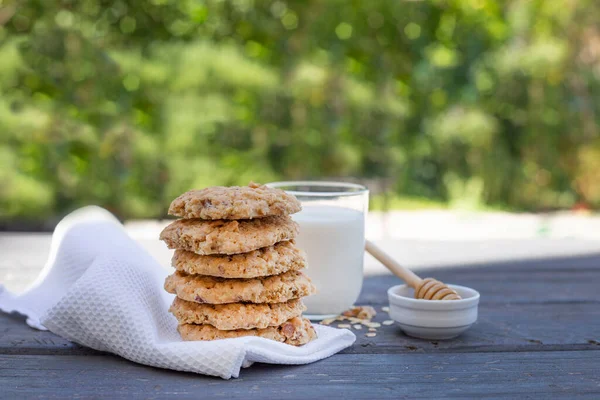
(126, 104)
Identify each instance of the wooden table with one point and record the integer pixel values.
(538, 336)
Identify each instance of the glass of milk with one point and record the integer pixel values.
(332, 233)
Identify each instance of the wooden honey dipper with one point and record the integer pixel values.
(428, 288)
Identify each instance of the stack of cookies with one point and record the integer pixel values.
(237, 267)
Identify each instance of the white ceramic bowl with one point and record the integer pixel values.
(433, 319)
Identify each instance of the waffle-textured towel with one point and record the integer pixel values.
(100, 289)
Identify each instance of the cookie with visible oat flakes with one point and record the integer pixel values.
(272, 260)
(228, 237)
(236, 315)
(296, 331)
(269, 289)
(234, 202)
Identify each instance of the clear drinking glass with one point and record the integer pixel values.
(332, 233)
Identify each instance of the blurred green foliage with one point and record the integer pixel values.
(126, 104)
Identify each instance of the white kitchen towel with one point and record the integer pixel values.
(100, 289)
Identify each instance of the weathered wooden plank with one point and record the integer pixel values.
(18, 338)
(501, 328)
(494, 375)
(524, 306)
(538, 281)
(529, 305)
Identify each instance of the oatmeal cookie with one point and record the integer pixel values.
(296, 331)
(269, 289)
(234, 202)
(228, 237)
(272, 260)
(236, 315)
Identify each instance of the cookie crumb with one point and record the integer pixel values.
(388, 322)
(372, 324)
(344, 326)
(385, 309)
(357, 326)
(372, 330)
(362, 312)
(371, 334)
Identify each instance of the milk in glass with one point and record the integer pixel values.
(334, 240)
